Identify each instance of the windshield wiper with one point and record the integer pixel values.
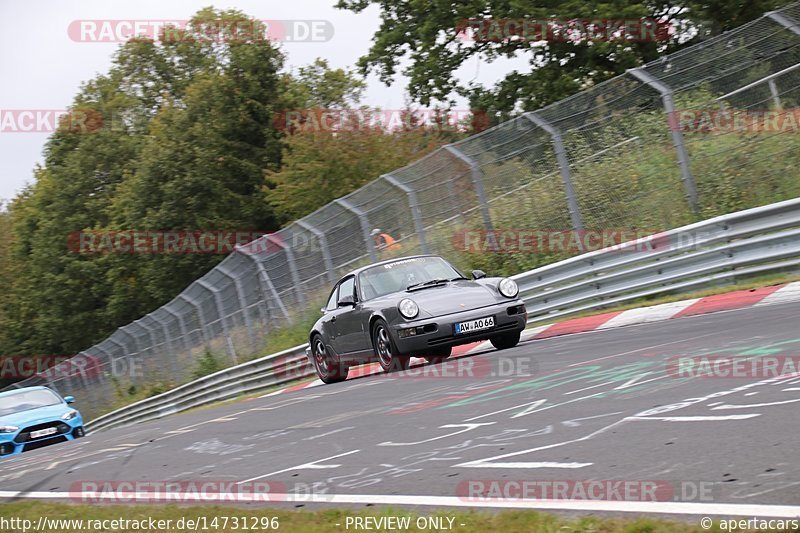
(429, 283)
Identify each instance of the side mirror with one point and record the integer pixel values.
(69, 399)
(478, 274)
(322, 310)
(347, 300)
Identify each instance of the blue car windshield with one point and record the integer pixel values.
(396, 276)
(27, 400)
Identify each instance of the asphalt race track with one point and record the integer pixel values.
(604, 405)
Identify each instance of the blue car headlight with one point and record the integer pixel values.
(8, 429)
(69, 415)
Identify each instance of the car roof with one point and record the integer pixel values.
(21, 389)
(387, 261)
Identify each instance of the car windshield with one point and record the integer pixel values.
(400, 275)
(27, 400)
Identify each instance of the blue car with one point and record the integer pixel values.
(35, 417)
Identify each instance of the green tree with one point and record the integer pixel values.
(425, 34)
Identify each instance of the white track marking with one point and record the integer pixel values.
(466, 427)
(750, 405)
(653, 313)
(678, 508)
(694, 418)
(313, 465)
(646, 348)
(789, 293)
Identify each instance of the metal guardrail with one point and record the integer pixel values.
(259, 374)
(760, 240)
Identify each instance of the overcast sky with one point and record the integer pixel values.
(42, 65)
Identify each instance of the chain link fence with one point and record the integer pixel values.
(620, 155)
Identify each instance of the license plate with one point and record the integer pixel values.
(474, 325)
(42, 433)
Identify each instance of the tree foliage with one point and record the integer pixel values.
(425, 36)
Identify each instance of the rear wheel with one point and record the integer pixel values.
(328, 370)
(388, 355)
(507, 340)
(437, 356)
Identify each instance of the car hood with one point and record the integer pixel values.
(34, 416)
(452, 297)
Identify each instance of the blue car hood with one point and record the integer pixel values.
(33, 416)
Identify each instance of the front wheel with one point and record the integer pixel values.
(388, 355)
(508, 340)
(329, 371)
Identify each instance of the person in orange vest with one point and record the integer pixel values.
(384, 241)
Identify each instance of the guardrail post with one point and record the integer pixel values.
(221, 312)
(785, 21)
(477, 181)
(365, 229)
(323, 243)
(298, 289)
(677, 136)
(566, 171)
(201, 318)
(414, 206)
(237, 283)
(266, 286)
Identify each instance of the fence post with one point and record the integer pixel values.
(566, 171)
(237, 283)
(201, 318)
(677, 137)
(414, 207)
(785, 21)
(221, 312)
(365, 230)
(171, 353)
(323, 242)
(266, 286)
(477, 180)
(301, 297)
(184, 330)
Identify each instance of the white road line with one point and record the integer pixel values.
(694, 418)
(531, 464)
(677, 508)
(313, 465)
(641, 349)
(329, 433)
(748, 406)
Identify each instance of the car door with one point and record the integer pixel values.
(330, 316)
(350, 329)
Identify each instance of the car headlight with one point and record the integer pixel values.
(408, 308)
(69, 415)
(508, 288)
(8, 429)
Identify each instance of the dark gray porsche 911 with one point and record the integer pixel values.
(418, 306)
